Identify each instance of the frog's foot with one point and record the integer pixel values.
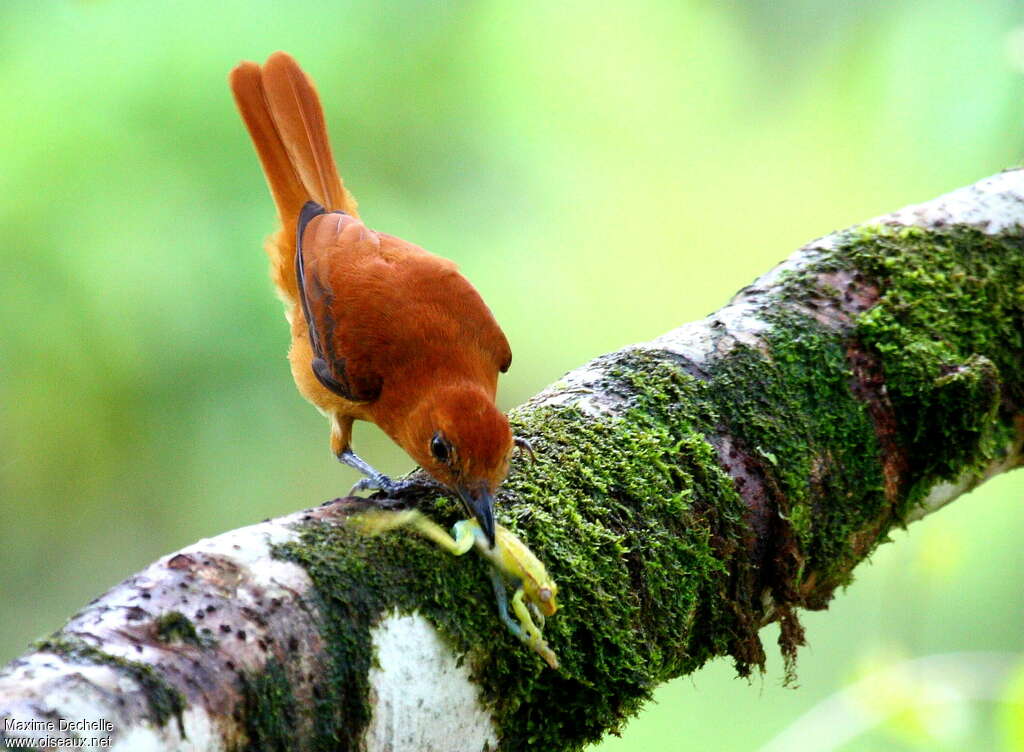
(538, 616)
(502, 598)
(547, 654)
(525, 629)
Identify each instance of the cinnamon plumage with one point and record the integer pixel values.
(382, 331)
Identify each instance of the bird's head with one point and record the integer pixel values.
(463, 440)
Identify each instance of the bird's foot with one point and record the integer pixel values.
(524, 446)
(378, 481)
(393, 488)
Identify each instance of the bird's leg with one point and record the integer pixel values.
(378, 481)
(341, 445)
(374, 478)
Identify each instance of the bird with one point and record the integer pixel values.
(381, 330)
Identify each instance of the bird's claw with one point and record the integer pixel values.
(524, 446)
(370, 484)
(390, 487)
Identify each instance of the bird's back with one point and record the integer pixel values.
(390, 308)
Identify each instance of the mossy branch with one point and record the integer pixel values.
(686, 492)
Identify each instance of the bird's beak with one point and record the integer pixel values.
(480, 504)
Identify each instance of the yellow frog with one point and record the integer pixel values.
(511, 561)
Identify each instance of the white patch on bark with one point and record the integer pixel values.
(423, 697)
(202, 735)
(47, 687)
(943, 493)
(992, 205)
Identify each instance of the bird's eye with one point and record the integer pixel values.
(440, 448)
(544, 594)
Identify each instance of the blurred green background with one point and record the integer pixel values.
(602, 174)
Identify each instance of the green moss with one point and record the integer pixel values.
(793, 405)
(949, 328)
(645, 532)
(947, 333)
(358, 580)
(164, 701)
(174, 626)
(635, 521)
(270, 711)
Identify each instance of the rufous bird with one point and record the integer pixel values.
(382, 330)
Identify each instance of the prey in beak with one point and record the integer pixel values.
(480, 504)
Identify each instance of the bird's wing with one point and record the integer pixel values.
(489, 336)
(348, 378)
(375, 304)
(453, 315)
(497, 343)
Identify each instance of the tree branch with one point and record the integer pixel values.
(686, 492)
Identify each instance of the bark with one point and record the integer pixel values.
(687, 491)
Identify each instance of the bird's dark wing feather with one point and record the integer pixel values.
(501, 349)
(330, 368)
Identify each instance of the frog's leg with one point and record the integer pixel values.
(502, 597)
(525, 629)
(377, 521)
(525, 620)
(528, 632)
(457, 546)
(466, 532)
(538, 617)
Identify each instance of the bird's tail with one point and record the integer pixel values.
(282, 111)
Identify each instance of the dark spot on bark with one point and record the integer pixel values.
(134, 613)
(180, 561)
(254, 615)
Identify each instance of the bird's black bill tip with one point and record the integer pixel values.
(480, 504)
